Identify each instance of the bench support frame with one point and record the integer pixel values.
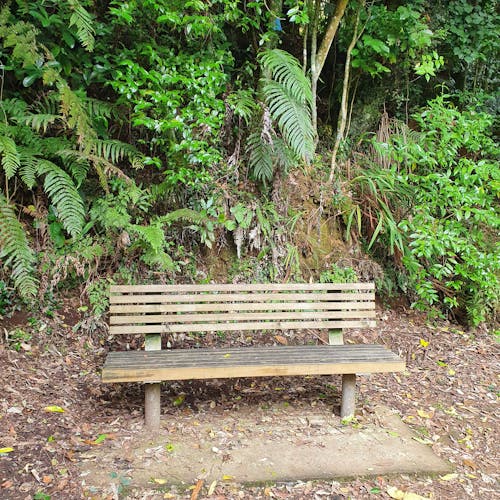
(152, 403)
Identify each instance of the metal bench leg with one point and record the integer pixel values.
(152, 407)
(348, 404)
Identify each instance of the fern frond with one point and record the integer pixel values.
(260, 158)
(285, 157)
(287, 93)
(28, 168)
(243, 104)
(74, 111)
(191, 216)
(64, 196)
(40, 122)
(112, 150)
(76, 164)
(84, 23)
(10, 156)
(15, 251)
(292, 117)
(97, 108)
(286, 70)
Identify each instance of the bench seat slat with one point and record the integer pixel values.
(241, 297)
(239, 317)
(245, 306)
(137, 366)
(231, 287)
(232, 327)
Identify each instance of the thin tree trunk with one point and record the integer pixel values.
(314, 79)
(345, 97)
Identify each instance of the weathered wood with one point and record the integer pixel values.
(156, 309)
(239, 317)
(152, 391)
(234, 327)
(189, 364)
(348, 403)
(271, 297)
(152, 406)
(230, 287)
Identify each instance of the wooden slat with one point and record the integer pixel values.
(239, 317)
(241, 297)
(240, 306)
(137, 366)
(229, 287)
(226, 327)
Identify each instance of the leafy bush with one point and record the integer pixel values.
(452, 252)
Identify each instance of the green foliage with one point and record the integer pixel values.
(15, 250)
(453, 254)
(286, 133)
(338, 274)
(399, 36)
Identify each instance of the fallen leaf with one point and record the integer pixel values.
(282, 340)
(448, 477)
(47, 479)
(227, 477)
(424, 343)
(469, 463)
(7, 484)
(168, 495)
(54, 409)
(227, 355)
(6, 450)
(159, 480)
(212, 488)
(398, 494)
(424, 414)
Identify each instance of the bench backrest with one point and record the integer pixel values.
(149, 309)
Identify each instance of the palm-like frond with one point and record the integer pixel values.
(41, 122)
(287, 93)
(243, 104)
(84, 23)
(286, 70)
(293, 118)
(15, 250)
(10, 156)
(260, 159)
(63, 194)
(29, 167)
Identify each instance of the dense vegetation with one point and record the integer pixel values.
(134, 135)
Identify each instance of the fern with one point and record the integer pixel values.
(83, 21)
(287, 93)
(76, 164)
(260, 159)
(286, 71)
(29, 166)
(41, 122)
(10, 156)
(64, 196)
(183, 214)
(15, 251)
(243, 104)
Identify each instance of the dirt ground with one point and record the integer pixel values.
(55, 412)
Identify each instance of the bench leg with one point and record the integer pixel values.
(348, 404)
(152, 407)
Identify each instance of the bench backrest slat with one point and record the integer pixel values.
(245, 287)
(147, 309)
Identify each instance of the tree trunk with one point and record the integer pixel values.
(345, 97)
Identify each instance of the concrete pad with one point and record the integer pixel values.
(270, 446)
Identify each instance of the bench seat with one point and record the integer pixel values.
(153, 366)
(241, 309)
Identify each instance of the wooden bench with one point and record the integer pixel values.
(152, 310)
